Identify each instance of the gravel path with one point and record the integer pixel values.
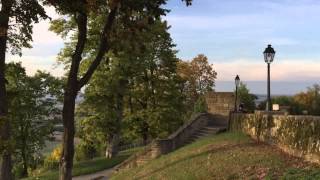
(101, 175)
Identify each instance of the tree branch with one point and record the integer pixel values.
(81, 19)
(103, 47)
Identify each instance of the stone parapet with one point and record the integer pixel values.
(296, 135)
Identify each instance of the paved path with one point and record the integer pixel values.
(101, 175)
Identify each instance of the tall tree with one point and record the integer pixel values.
(16, 23)
(131, 15)
(103, 105)
(199, 77)
(154, 90)
(33, 109)
(143, 92)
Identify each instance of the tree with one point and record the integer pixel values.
(199, 78)
(137, 91)
(246, 98)
(155, 102)
(16, 23)
(33, 109)
(294, 106)
(102, 108)
(309, 100)
(130, 15)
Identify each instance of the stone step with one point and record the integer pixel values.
(143, 160)
(204, 132)
(199, 136)
(208, 132)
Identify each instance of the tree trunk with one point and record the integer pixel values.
(66, 161)
(6, 166)
(69, 101)
(74, 85)
(25, 163)
(145, 132)
(113, 144)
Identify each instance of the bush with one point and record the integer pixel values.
(52, 161)
(201, 105)
(18, 170)
(85, 151)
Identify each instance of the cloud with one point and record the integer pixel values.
(34, 63)
(41, 33)
(284, 70)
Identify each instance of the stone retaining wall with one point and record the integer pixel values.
(296, 135)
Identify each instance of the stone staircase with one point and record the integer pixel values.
(200, 126)
(205, 132)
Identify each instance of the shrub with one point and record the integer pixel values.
(85, 151)
(52, 161)
(201, 105)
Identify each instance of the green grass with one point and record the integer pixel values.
(87, 167)
(224, 156)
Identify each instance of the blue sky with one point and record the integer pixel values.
(232, 33)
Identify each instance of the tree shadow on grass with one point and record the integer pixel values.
(213, 150)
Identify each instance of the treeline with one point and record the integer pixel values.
(303, 103)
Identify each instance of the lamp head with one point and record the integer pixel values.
(269, 54)
(237, 81)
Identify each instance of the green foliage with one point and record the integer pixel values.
(246, 98)
(140, 86)
(201, 105)
(294, 106)
(22, 18)
(308, 101)
(86, 151)
(32, 109)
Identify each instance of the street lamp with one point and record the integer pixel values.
(268, 58)
(237, 83)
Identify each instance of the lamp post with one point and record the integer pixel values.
(237, 83)
(268, 58)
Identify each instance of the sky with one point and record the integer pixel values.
(232, 34)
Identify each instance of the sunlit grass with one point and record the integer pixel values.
(87, 167)
(225, 156)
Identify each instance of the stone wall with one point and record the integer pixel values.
(220, 102)
(177, 139)
(296, 135)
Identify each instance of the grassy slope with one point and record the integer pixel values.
(225, 156)
(88, 167)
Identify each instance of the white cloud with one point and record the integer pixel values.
(284, 70)
(34, 63)
(41, 33)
